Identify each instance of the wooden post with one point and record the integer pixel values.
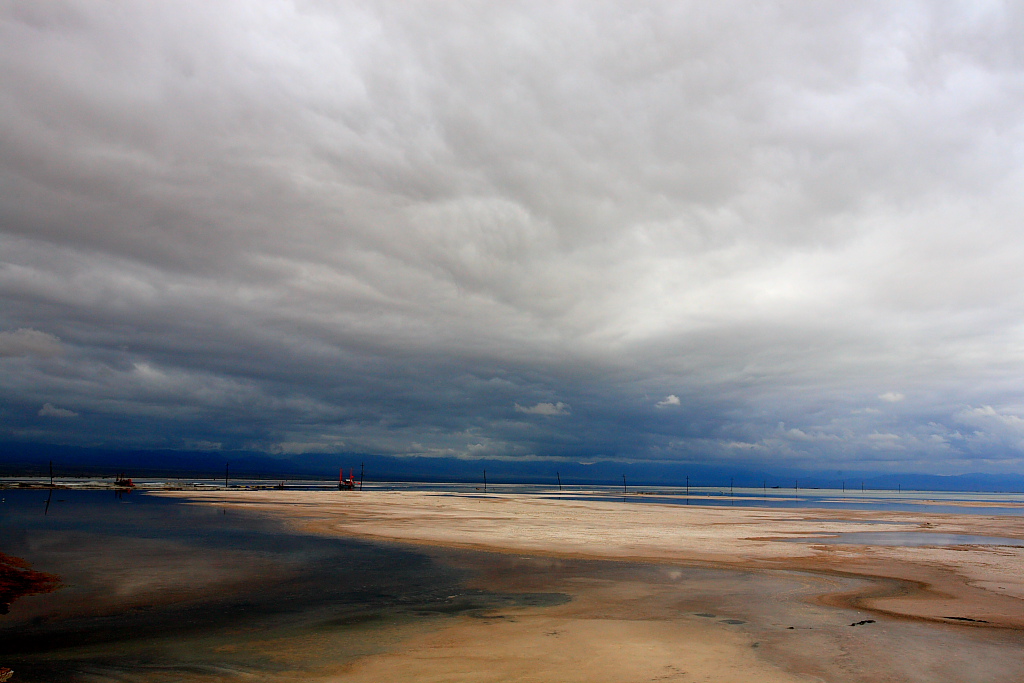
(485, 481)
(623, 483)
(559, 480)
(51, 474)
(796, 487)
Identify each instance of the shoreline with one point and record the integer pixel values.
(965, 585)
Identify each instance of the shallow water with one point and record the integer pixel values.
(777, 612)
(156, 588)
(160, 590)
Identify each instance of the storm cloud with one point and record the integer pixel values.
(664, 231)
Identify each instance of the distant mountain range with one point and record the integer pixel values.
(18, 459)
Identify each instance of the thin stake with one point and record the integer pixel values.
(559, 480)
(623, 483)
(485, 481)
(51, 474)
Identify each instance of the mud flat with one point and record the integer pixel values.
(663, 592)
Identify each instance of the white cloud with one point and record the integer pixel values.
(891, 397)
(743, 445)
(670, 400)
(50, 410)
(545, 409)
(990, 412)
(798, 435)
(883, 437)
(29, 342)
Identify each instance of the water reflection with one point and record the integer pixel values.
(156, 587)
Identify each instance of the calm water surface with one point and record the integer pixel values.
(157, 589)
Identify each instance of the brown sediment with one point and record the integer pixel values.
(977, 586)
(18, 579)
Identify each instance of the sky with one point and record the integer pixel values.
(772, 233)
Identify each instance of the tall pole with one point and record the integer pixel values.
(485, 481)
(226, 466)
(623, 483)
(796, 487)
(559, 480)
(51, 474)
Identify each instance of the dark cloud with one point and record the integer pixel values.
(727, 231)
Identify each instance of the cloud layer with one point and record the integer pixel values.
(718, 231)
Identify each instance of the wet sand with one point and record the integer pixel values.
(917, 604)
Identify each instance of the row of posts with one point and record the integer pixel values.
(764, 484)
(558, 476)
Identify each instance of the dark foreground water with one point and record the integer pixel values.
(156, 589)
